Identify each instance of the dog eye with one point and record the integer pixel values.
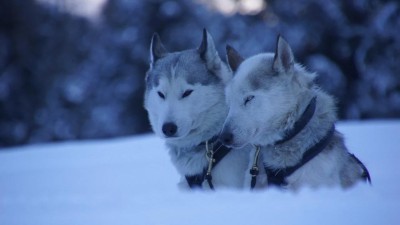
(161, 95)
(187, 93)
(248, 99)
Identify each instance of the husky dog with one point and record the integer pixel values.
(186, 105)
(275, 105)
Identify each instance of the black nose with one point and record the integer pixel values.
(226, 138)
(169, 129)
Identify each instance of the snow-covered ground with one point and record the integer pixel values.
(131, 181)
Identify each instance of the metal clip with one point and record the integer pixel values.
(254, 168)
(211, 160)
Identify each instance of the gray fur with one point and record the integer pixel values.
(199, 116)
(186, 64)
(281, 90)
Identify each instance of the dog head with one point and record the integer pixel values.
(262, 95)
(185, 90)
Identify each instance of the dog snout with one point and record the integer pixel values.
(226, 138)
(169, 129)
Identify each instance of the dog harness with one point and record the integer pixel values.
(215, 152)
(297, 127)
(278, 176)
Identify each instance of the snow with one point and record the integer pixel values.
(131, 181)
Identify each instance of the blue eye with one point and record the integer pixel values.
(161, 95)
(248, 99)
(187, 93)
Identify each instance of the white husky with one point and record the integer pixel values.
(186, 106)
(275, 105)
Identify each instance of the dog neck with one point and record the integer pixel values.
(196, 139)
(290, 149)
(216, 151)
(300, 123)
(192, 162)
(309, 136)
(188, 155)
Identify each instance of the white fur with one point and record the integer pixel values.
(200, 111)
(285, 91)
(265, 109)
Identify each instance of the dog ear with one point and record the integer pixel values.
(207, 48)
(157, 49)
(283, 60)
(210, 56)
(208, 52)
(234, 58)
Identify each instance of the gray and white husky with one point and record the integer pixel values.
(275, 105)
(186, 105)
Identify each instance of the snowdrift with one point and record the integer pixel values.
(131, 181)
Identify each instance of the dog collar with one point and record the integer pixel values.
(300, 123)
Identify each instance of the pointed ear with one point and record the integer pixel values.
(157, 49)
(208, 52)
(210, 56)
(234, 58)
(283, 60)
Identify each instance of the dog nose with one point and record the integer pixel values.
(169, 129)
(226, 138)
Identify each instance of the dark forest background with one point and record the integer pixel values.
(65, 76)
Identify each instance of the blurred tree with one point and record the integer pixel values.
(67, 74)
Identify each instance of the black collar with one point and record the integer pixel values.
(300, 123)
(220, 151)
(278, 176)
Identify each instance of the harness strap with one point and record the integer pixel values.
(195, 181)
(278, 176)
(219, 151)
